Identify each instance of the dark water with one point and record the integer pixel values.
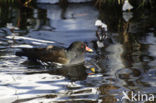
(127, 64)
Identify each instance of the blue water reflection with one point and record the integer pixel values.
(125, 64)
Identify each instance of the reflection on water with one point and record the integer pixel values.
(126, 64)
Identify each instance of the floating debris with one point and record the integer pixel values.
(99, 23)
(127, 6)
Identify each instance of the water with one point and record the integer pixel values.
(127, 64)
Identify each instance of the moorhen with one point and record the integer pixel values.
(74, 54)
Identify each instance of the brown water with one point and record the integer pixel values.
(127, 64)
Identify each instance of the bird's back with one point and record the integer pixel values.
(49, 54)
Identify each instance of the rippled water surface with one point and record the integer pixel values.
(126, 64)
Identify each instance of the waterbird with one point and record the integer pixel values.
(74, 54)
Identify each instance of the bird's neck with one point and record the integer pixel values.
(73, 53)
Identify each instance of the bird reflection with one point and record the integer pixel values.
(73, 73)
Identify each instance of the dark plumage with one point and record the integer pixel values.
(74, 54)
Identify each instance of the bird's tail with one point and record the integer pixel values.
(23, 52)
